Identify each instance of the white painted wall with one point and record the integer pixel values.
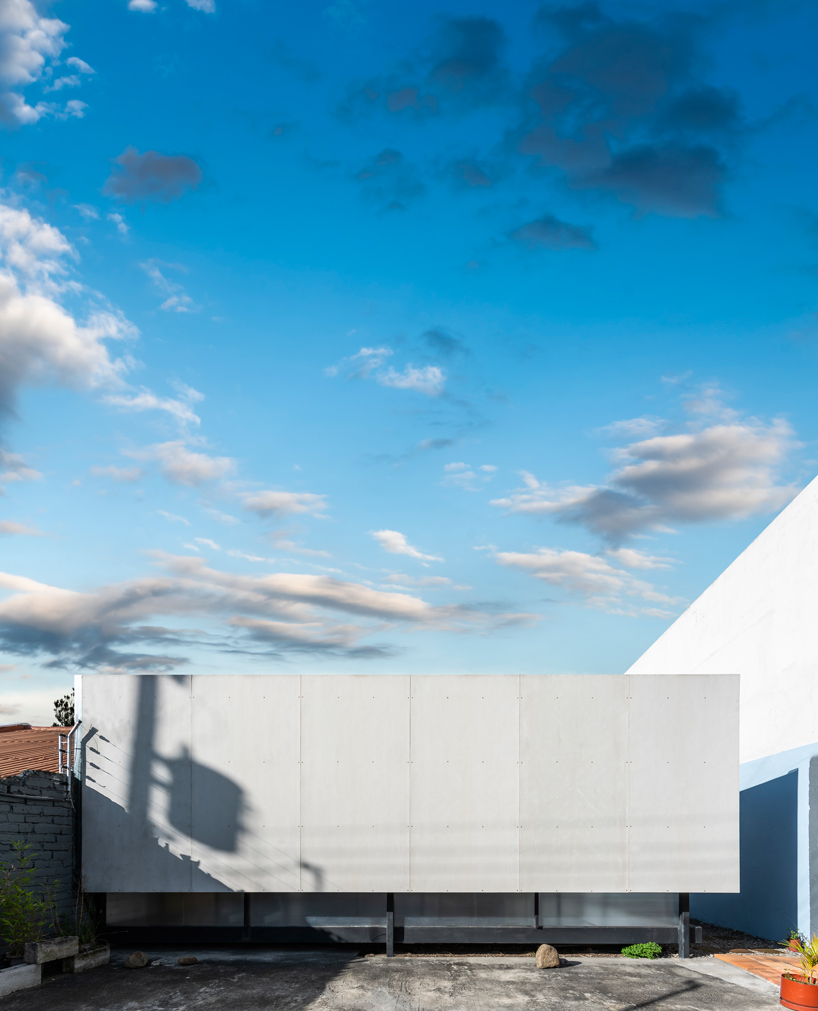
(347, 783)
(759, 619)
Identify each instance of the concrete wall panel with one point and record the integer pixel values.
(573, 783)
(465, 783)
(427, 784)
(245, 774)
(355, 783)
(136, 820)
(683, 756)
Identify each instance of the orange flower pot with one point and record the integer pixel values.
(797, 995)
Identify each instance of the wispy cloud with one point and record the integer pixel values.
(284, 503)
(115, 627)
(593, 577)
(121, 474)
(176, 299)
(20, 529)
(182, 465)
(180, 408)
(370, 363)
(397, 544)
(462, 475)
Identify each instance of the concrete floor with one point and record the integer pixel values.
(264, 980)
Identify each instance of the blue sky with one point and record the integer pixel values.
(348, 336)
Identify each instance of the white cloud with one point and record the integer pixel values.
(14, 468)
(599, 582)
(143, 6)
(87, 211)
(172, 517)
(40, 341)
(31, 247)
(292, 610)
(368, 363)
(400, 581)
(27, 41)
(181, 465)
(208, 6)
(80, 65)
(176, 298)
(73, 109)
(10, 527)
(121, 474)
(283, 543)
(633, 428)
(722, 472)
(207, 543)
(284, 503)
(243, 554)
(221, 517)
(633, 559)
(71, 81)
(179, 408)
(461, 475)
(397, 544)
(122, 225)
(429, 379)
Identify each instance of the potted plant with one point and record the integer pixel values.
(799, 991)
(794, 940)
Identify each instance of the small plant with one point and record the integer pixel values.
(23, 917)
(807, 952)
(648, 949)
(793, 940)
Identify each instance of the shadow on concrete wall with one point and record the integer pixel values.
(203, 805)
(767, 905)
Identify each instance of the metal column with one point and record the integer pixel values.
(245, 933)
(684, 925)
(390, 924)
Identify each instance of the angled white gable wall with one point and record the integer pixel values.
(759, 620)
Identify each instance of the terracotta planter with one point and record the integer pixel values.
(793, 944)
(797, 995)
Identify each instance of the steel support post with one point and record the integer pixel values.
(390, 924)
(537, 910)
(245, 933)
(684, 925)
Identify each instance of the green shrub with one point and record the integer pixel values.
(23, 916)
(649, 949)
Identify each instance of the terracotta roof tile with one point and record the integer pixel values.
(23, 748)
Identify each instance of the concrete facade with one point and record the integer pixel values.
(428, 784)
(758, 619)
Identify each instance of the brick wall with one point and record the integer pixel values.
(38, 808)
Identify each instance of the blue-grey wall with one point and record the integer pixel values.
(767, 905)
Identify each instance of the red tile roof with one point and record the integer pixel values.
(23, 747)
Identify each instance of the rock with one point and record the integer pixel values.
(136, 960)
(156, 961)
(187, 960)
(547, 957)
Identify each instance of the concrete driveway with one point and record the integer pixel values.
(263, 980)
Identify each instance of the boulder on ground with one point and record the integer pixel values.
(136, 960)
(547, 957)
(187, 960)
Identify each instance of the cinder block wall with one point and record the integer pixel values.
(37, 808)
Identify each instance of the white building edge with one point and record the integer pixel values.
(759, 619)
